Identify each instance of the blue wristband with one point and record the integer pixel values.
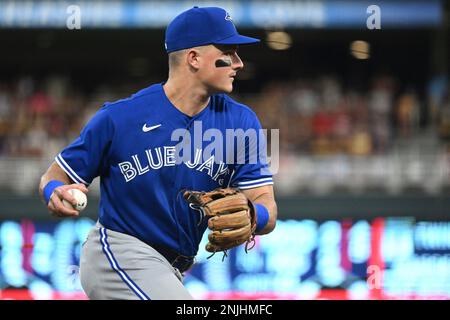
(262, 216)
(48, 189)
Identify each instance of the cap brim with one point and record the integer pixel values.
(237, 39)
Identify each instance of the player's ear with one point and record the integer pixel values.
(193, 58)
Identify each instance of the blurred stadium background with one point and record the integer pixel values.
(364, 118)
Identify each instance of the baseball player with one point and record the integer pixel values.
(154, 209)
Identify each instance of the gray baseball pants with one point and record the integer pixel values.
(117, 266)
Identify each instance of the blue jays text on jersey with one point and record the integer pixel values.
(129, 145)
(166, 156)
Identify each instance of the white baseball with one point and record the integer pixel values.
(81, 200)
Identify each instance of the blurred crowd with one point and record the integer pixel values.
(331, 135)
(39, 117)
(315, 116)
(322, 117)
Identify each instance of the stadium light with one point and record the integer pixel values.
(279, 40)
(360, 49)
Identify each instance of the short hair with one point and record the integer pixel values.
(175, 59)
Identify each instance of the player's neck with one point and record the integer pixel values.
(186, 97)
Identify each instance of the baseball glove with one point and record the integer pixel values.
(231, 218)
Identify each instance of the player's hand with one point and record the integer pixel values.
(61, 193)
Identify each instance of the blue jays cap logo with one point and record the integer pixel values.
(228, 17)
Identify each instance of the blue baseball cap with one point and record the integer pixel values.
(202, 26)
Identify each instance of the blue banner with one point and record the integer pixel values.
(251, 14)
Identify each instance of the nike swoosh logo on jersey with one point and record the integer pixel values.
(147, 129)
